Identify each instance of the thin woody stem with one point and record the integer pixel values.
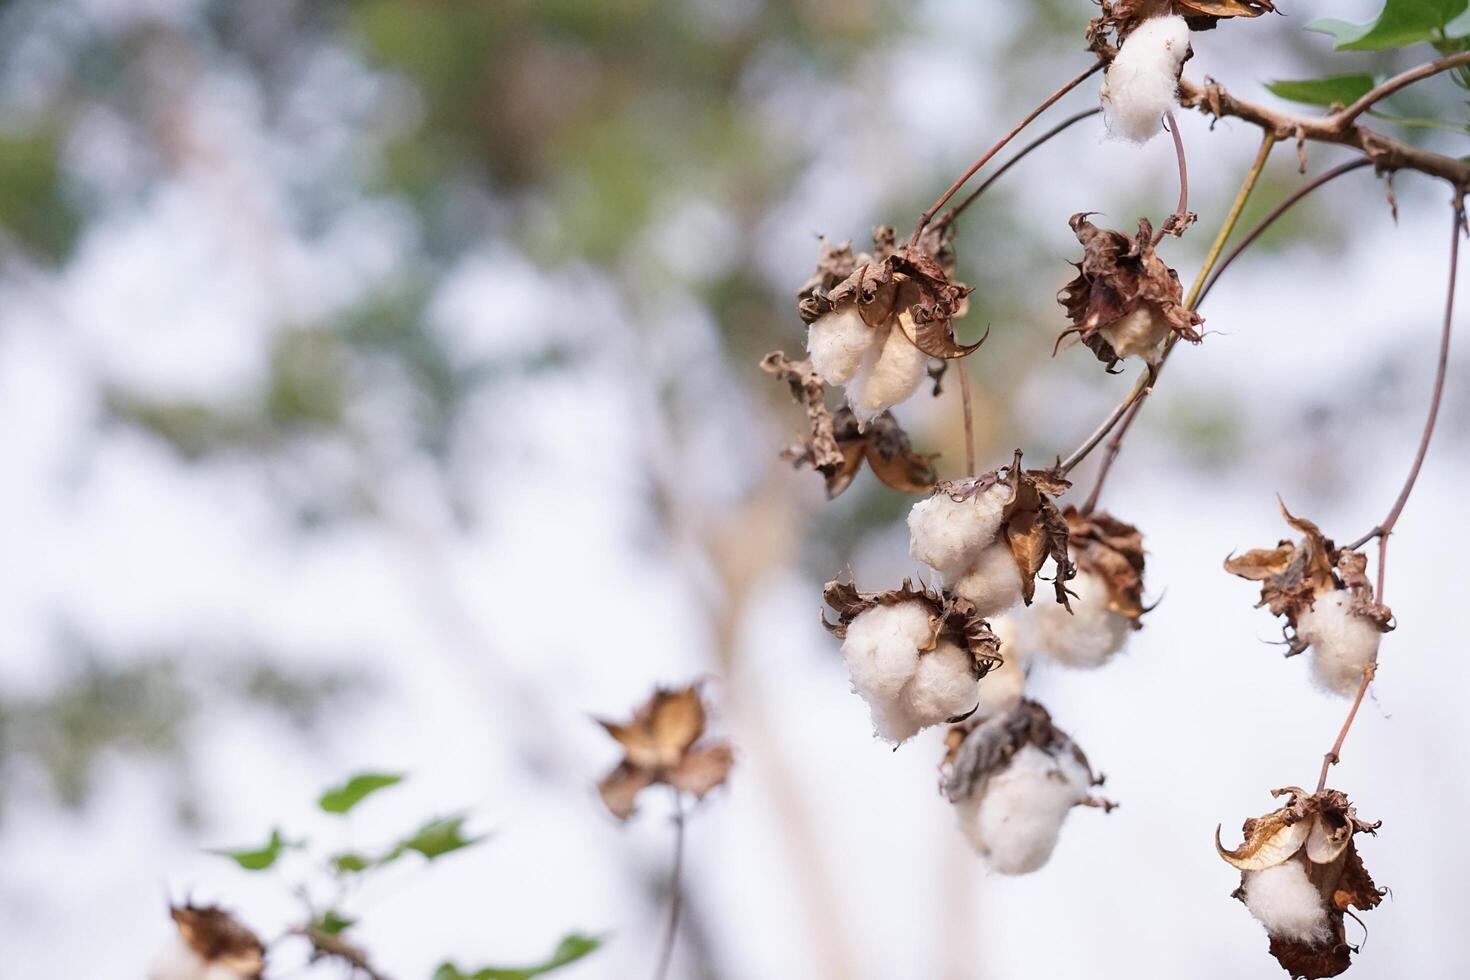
(988, 154)
(666, 953)
(1143, 385)
(1392, 85)
(1385, 529)
(948, 217)
(1181, 213)
(969, 417)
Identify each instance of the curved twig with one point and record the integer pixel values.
(1392, 85)
(666, 951)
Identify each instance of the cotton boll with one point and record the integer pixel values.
(948, 534)
(1286, 902)
(993, 583)
(944, 685)
(1086, 637)
(893, 719)
(1142, 83)
(1342, 644)
(1138, 334)
(837, 341)
(891, 371)
(881, 649)
(1016, 822)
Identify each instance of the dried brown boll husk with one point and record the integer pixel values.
(219, 939)
(976, 749)
(838, 446)
(1317, 831)
(1123, 286)
(659, 747)
(1295, 573)
(1112, 550)
(916, 287)
(952, 619)
(1120, 17)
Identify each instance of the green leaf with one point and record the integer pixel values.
(435, 839)
(333, 922)
(259, 858)
(350, 862)
(343, 798)
(1399, 24)
(571, 949)
(1341, 89)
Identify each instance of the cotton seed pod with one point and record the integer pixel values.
(659, 747)
(1013, 778)
(993, 583)
(211, 944)
(1142, 82)
(1112, 550)
(1125, 302)
(1300, 874)
(948, 531)
(1323, 593)
(891, 370)
(1120, 18)
(916, 659)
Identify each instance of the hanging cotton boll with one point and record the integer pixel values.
(1086, 637)
(1139, 334)
(891, 370)
(1284, 900)
(1342, 644)
(948, 534)
(1142, 83)
(837, 341)
(993, 583)
(882, 646)
(1016, 822)
(944, 685)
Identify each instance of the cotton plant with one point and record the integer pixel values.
(1013, 778)
(1301, 875)
(1326, 600)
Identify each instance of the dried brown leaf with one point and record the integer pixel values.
(658, 746)
(1113, 551)
(220, 939)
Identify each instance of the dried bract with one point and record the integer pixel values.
(1300, 874)
(884, 445)
(212, 943)
(1119, 18)
(1112, 550)
(659, 747)
(1125, 301)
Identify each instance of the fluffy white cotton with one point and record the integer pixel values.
(993, 583)
(1142, 83)
(837, 342)
(1342, 644)
(891, 370)
(948, 535)
(178, 962)
(882, 647)
(1139, 334)
(894, 720)
(1014, 824)
(1284, 901)
(944, 685)
(1086, 637)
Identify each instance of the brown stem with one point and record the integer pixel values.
(1382, 91)
(985, 157)
(1271, 218)
(948, 217)
(1385, 529)
(1181, 213)
(969, 418)
(666, 953)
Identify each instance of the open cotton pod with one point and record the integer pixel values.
(1142, 82)
(1108, 594)
(1300, 875)
(916, 659)
(210, 944)
(1124, 302)
(1013, 778)
(1324, 595)
(988, 536)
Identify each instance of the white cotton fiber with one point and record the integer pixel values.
(837, 341)
(882, 647)
(944, 685)
(948, 534)
(893, 720)
(1139, 334)
(1342, 644)
(891, 370)
(1015, 823)
(1142, 83)
(993, 583)
(1286, 902)
(1086, 637)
